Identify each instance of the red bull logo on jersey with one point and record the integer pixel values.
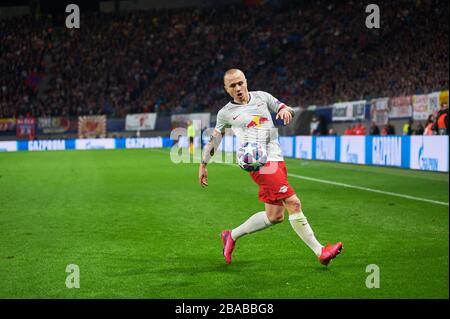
(257, 121)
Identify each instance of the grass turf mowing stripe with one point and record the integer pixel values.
(359, 187)
(369, 189)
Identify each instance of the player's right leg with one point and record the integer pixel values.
(272, 215)
(301, 226)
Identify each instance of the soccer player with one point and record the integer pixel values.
(191, 135)
(248, 114)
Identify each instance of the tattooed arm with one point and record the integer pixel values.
(208, 152)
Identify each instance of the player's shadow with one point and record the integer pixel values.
(240, 267)
(322, 269)
(237, 265)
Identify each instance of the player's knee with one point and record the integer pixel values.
(294, 205)
(276, 219)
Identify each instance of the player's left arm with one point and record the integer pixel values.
(283, 111)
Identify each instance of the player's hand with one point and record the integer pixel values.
(203, 175)
(285, 115)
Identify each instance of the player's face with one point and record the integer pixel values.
(236, 85)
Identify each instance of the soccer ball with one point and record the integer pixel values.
(251, 156)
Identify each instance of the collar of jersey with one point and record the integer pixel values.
(250, 98)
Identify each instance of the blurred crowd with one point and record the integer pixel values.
(23, 45)
(435, 124)
(172, 61)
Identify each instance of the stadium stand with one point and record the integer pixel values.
(172, 61)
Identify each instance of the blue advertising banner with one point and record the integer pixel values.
(47, 145)
(145, 142)
(325, 148)
(303, 147)
(287, 145)
(384, 150)
(8, 146)
(353, 149)
(429, 153)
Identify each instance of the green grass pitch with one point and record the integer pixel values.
(139, 226)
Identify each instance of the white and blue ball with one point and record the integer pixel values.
(251, 156)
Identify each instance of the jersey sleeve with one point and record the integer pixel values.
(221, 122)
(272, 102)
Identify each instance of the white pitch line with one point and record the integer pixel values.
(358, 187)
(364, 188)
(369, 189)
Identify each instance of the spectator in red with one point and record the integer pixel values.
(349, 130)
(359, 129)
(442, 120)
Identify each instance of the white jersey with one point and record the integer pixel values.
(252, 122)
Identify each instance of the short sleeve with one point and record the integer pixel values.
(272, 102)
(221, 122)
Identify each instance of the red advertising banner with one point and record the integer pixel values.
(26, 128)
(379, 111)
(400, 106)
(92, 126)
